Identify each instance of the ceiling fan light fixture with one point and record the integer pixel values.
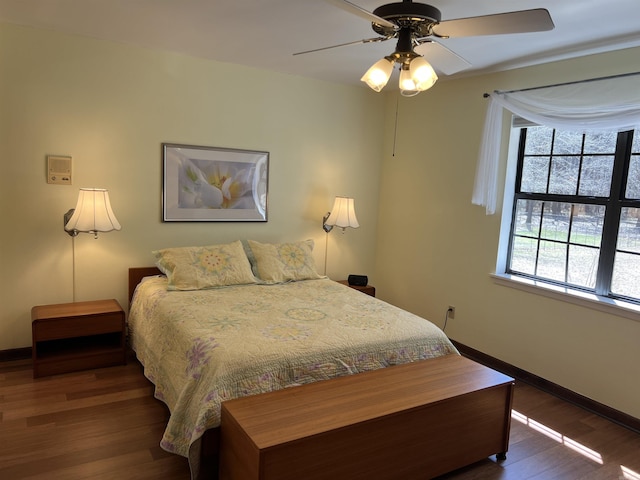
(407, 85)
(378, 74)
(422, 74)
(416, 75)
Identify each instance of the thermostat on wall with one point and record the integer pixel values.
(59, 169)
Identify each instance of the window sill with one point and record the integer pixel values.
(588, 300)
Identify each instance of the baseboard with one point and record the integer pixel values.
(565, 394)
(15, 354)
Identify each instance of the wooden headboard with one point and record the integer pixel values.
(136, 274)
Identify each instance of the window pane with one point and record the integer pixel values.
(564, 175)
(629, 230)
(633, 180)
(523, 255)
(626, 275)
(555, 221)
(538, 141)
(583, 266)
(586, 226)
(552, 260)
(595, 180)
(534, 174)
(567, 143)
(604, 142)
(528, 218)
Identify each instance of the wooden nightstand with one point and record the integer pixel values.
(77, 336)
(368, 289)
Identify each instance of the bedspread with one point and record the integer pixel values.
(200, 348)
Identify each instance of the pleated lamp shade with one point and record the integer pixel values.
(93, 213)
(343, 214)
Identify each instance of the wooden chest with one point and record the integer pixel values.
(412, 421)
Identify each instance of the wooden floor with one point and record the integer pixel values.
(105, 424)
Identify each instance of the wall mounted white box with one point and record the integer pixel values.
(59, 169)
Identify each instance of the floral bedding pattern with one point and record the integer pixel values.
(203, 347)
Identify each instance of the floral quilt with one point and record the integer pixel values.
(203, 347)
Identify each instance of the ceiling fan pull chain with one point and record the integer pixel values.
(395, 128)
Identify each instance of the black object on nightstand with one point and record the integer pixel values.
(358, 280)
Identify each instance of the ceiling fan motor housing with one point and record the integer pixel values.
(417, 17)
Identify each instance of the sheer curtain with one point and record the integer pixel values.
(601, 104)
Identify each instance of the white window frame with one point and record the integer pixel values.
(540, 287)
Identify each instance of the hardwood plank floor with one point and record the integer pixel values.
(97, 424)
(105, 424)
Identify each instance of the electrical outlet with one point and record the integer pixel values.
(451, 311)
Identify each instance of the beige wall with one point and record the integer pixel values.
(111, 106)
(437, 249)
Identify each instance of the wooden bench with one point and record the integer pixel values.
(411, 421)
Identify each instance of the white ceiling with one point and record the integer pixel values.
(266, 33)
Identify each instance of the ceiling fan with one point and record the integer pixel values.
(418, 27)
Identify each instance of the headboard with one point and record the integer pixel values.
(136, 274)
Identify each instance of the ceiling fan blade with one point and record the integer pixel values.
(536, 20)
(442, 58)
(362, 13)
(366, 40)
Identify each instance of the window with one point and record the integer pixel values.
(576, 211)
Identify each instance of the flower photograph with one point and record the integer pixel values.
(214, 184)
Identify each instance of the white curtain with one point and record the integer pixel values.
(602, 104)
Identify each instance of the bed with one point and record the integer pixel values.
(203, 346)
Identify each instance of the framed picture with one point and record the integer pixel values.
(209, 184)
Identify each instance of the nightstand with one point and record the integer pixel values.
(77, 336)
(368, 289)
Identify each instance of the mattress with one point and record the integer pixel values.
(200, 348)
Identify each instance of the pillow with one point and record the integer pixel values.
(283, 262)
(197, 268)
